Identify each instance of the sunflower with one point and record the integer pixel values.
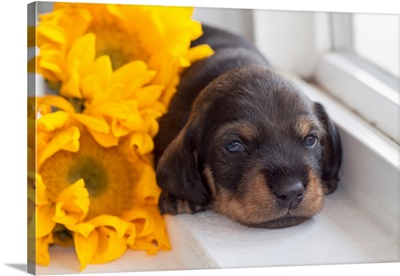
(158, 36)
(96, 197)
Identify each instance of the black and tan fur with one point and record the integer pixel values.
(236, 139)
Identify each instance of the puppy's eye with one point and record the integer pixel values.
(310, 141)
(235, 146)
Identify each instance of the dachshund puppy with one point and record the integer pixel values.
(243, 141)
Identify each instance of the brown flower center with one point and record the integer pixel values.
(92, 172)
(119, 44)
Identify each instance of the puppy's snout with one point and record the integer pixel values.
(289, 193)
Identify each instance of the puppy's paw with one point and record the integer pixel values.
(170, 204)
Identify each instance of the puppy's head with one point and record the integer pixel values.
(254, 149)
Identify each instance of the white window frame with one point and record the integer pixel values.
(361, 91)
(374, 94)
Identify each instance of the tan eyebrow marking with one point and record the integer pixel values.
(305, 125)
(244, 130)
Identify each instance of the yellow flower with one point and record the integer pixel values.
(97, 195)
(158, 36)
(116, 104)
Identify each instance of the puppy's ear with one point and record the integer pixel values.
(332, 150)
(178, 172)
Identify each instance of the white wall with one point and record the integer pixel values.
(238, 21)
(290, 40)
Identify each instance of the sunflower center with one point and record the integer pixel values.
(108, 173)
(92, 172)
(120, 45)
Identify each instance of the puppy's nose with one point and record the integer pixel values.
(289, 195)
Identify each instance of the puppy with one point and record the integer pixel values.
(243, 141)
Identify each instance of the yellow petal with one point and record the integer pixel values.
(120, 226)
(124, 73)
(52, 121)
(83, 51)
(85, 248)
(110, 247)
(123, 126)
(65, 140)
(141, 143)
(117, 110)
(58, 102)
(49, 68)
(42, 250)
(119, 129)
(148, 95)
(143, 220)
(104, 139)
(115, 10)
(150, 116)
(95, 124)
(71, 85)
(84, 229)
(102, 68)
(72, 204)
(41, 197)
(42, 109)
(147, 191)
(50, 65)
(50, 59)
(151, 230)
(98, 78)
(169, 93)
(44, 220)
(131, 237)
(199, 52)
(91, 86)
(52, 32)
(184, 62)
(147, 245)
(167, 68)
(131, 88)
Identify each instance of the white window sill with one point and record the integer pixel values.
(358, 224)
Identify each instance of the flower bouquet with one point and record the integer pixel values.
(110, 72)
